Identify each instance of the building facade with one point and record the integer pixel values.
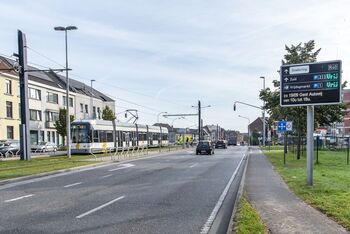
(47, 95)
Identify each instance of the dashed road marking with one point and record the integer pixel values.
(122, 166)
(99, 207)
(106, 176)
(71, 185)
(19, 198)
(193, 165)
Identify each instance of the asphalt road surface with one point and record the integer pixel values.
(175, 193)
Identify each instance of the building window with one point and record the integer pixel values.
(35, 115)
(86, 109)
(81, 107)
(70, 101)
(53, 137)
(98, 113)
(8, 88)
(9, 132)
(9, 113)
(35, 94)
(94, 111)
(52, 97)
(51, 116)
(48, 136)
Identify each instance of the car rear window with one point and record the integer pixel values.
(204, 143)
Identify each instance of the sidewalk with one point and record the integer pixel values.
(279, 208)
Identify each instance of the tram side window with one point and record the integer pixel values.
(109, 136)
(155, 136)
(95, 138)
(165, 137)
(103, 136)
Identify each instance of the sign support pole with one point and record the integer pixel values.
(310, 144)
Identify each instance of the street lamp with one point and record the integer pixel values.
(164, 112)
(92, 100)
(172, 123)
(65, 29)
(248, 127)
(263, 114)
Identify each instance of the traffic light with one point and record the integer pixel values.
(234, 107)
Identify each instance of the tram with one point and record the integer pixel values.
(98, 135)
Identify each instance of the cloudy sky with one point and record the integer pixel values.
(155, 55)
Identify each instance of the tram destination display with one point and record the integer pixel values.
(311, 84)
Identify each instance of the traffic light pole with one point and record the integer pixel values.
(199, 122)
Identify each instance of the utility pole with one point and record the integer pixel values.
(199, 121)
(23, 81)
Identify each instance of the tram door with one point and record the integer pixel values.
(133, 138)
(127, 138)
(120, 139)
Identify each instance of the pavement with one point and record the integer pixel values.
(176, 193)
(280, 209)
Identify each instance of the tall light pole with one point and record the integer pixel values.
(164, 112)
(92, 101)
(248, 127)
(66, 29)
(263, 114)
(200, 119)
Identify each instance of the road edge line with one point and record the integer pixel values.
(239, 194)
(208, 224)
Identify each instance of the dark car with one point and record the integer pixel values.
(205, 147)
(221, 144)
(9, 148)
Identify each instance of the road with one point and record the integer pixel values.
(174, 193)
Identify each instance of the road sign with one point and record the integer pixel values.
(283, 126)
(311, 84)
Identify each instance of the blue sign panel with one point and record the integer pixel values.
(281, 126)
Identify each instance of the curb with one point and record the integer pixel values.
(99, 164)
(239, 195)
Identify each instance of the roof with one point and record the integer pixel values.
(55, 80)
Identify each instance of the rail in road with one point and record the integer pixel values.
(177, 193)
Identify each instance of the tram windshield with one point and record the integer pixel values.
(81, 133)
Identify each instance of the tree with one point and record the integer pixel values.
(324, 115)
(61, 123)
(108, 114)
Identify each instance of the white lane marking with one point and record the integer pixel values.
(19, 198)
(123, 166)
(71, 185)
(109, 175)
(192, 166)
(99, 208)
(206, 227)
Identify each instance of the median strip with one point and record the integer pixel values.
(99, 208)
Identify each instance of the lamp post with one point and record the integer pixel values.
(92, 101)
(172, 123)
(164, 112)
(263, 114)
(248, 127)
(66, 29)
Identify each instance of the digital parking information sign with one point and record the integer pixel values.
(311, 84)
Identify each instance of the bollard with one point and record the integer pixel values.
(347, 155)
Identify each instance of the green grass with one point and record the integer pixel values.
(331, 190)
(248, 220)
(18, 168)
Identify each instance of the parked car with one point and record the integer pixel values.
(204, 147)
(221, 144)
(9, 148)
(44, 147)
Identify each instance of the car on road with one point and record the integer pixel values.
(204, 147)
(221, 144)
(44, 147)
(9, 148)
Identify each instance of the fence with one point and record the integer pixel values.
(327, 143)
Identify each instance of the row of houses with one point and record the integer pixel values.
(47, 95)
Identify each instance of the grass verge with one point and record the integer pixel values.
(248, 220)
(17, 168)
(331, 190)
